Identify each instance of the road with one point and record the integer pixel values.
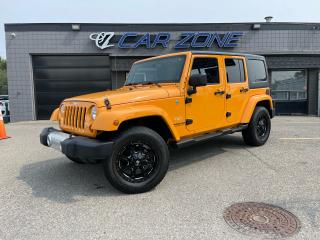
(45, 196)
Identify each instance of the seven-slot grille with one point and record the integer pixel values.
(74, 116)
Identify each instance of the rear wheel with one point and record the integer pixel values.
(139, 161)
(259, 128)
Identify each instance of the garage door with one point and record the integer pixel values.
(60, 77)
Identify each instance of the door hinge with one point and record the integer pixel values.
(228, 114)
(228, 96)
(188, 100)
(189, 121)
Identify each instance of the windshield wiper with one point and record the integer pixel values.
(143, 83)
(150, 83)
(131, 84)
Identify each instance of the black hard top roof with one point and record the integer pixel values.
(248, 55)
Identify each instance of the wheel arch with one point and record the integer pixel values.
(154, 122)
(264, 101)
(154, 118)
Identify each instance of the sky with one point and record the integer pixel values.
(148, 11)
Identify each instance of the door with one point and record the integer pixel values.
(237, 88)
(60, 77)
(206, 108)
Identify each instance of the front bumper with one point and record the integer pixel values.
(87, 149)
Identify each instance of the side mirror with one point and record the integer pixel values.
(196, 80)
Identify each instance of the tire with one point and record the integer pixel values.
(139, 161)
(259, 128)
(76, 160)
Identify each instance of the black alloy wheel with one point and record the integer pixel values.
(262, 126)
(258, 130)
(136, 162)
(139, 160)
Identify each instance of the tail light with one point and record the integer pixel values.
(268, 92)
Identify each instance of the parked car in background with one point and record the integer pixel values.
(4, 108)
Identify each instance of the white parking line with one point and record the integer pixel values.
(302, 138)
(303, 123)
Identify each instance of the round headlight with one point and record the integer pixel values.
(62, 108)
(93, 113)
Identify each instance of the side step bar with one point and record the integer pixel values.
(208, 136)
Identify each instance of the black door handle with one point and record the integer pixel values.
(243, 90)
(219, 92)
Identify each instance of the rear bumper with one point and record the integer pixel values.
(86, 149)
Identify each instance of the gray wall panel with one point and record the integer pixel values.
(293, 61)
(313, 91)
(37, 39)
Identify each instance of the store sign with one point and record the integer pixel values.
(187, 40)
(102, 39)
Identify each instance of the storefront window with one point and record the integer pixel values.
(289, 85)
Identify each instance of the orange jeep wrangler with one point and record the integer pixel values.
(176, 99)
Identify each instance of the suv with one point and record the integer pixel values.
(171, 100)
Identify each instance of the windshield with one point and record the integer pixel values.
(160, 70)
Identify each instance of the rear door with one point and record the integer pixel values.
(237, 88)
(207, 106)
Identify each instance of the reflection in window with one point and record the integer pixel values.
(289, 85)
(235, 70)
(208, 67)
(161, 70)
(257, 70)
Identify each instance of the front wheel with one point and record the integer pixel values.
(139, 161)
(259, 128)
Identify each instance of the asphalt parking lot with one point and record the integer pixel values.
(45, 196)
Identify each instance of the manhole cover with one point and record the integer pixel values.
(261, 219)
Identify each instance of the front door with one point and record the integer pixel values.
(237, 88)
(206, 109)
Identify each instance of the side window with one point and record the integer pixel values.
(257, 70)
(235, 70)
(208, 67)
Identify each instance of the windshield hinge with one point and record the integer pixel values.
(189, 121)
(188, 100)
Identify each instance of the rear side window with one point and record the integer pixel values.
(257, 70)
(235, 70)
(208, 67)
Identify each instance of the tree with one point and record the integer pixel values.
(3, 77)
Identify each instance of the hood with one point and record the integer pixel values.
(124, 95)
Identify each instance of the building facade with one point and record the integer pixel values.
(49, 62)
